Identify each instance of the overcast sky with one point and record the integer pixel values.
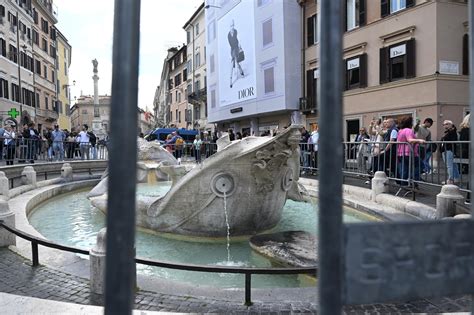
(89, 27)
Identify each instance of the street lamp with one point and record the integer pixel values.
(68, 91)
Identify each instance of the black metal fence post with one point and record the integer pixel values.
(120, 259)
(330, 181)
(248, 289)
(34, 253)
(471, 105)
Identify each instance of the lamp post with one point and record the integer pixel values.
(67, 88)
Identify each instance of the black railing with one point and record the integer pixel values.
(248, 272)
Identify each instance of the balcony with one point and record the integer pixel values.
(308, 105)
(198, 97)
(48, 114)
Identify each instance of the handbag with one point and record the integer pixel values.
(241, 56)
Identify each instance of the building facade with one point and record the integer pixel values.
(253, 65)
(400, 58)
(179, 109)
(44, 50)
(17, 84)
(82, 112)
(196, 69)
(161, 102)
(63, 62)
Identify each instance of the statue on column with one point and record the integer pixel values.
(95, 63)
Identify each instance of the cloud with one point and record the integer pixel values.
(89, 29)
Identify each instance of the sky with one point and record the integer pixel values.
(88, 26)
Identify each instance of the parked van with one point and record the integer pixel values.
(160, 134)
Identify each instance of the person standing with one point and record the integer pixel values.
(447, 150)
(2, 131)
(426, 151)
(93, 143)
(314, 141)
(464, 128)
(234, 51)
(84, 144)
(58, 137)
(9, 137)
(389, 153)
(305, 153)
(197, 148)
(231, 135)
(407, 140)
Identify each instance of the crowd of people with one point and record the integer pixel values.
(401, 149)
(56, 144)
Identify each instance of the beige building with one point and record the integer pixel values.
(82, 112)
(196, 69)
(400, 58)
(44, 46)
(17, 88)
(63, 62)
(179, 110)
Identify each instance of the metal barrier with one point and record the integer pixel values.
(23, 150)
(248, 272)
(434, 163)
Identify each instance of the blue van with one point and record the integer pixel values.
(160, 134)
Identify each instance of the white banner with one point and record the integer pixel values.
(236, 49)
(398, 51)
(353, 63)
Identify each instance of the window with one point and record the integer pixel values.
(44, 26)
(388, 7)
(311, 87)
(213, 98)
(189, 66)
(465, 54)
(65, 68)
(36, 37)
(269, 80)
(46, 102)
(267, 33)
(179, 117)
(188, 37)
(397, 61)
(3, 47)
(37, 100)
(197, 62)
(177, 80)
(176, 114)
(38, 67)
(197, 86)
(4, 88)
(52, 51)
(312, 30)
(44, 45)
(13, 54)
(15, 93)
(189, 90)
(211, 32)
(212, 63)
(197, 29)
(176, 96)
(355, 14)
(52, 34)
(45, 72)
(185, 74)
(35, 16)
(2, 11)
(52, 75)
(356, 72)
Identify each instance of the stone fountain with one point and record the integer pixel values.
(250, 178)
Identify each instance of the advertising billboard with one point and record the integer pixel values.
(236, 55)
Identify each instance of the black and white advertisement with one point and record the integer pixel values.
(236, 49)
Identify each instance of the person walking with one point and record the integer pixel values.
(447, 150)
(464, 128)
(9, 138)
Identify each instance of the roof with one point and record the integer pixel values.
(201, 7)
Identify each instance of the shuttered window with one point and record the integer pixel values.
(311, 90)
(465, 54)
(311, 30)
(388, 7)
(398, 62)
(356, 72)
(355, 14)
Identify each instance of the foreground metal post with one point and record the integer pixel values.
(471, 107)
(120, 256)
(330, 181)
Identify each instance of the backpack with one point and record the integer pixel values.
(92, 137)
(179, 143)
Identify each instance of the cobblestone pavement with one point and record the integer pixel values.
(17, 276)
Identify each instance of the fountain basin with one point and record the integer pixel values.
(70, 219)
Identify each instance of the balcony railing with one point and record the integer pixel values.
(198, 96)
(47, 113)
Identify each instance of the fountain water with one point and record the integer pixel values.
(228, 227)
